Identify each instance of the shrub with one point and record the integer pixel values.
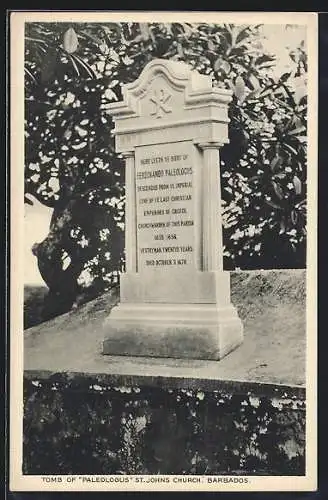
(74, 70)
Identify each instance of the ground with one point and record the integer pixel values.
(270, 303)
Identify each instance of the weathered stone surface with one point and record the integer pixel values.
(201, 331)
(71, 426)
(179, 286)
(169, 127)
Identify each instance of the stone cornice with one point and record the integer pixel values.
(198, 89)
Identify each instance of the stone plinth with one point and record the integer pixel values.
(195, 331)
(175, 296)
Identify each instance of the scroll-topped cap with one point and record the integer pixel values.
(170, 94)
(160, 85)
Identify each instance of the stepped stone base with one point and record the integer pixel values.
(193, 331)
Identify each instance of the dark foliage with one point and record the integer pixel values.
(74, 70)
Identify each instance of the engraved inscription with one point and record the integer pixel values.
(165, 206)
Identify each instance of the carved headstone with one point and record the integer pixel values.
(174, 295)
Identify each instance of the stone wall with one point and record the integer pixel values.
(92, 425)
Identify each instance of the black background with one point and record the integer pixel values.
(322, 492)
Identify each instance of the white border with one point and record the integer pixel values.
(19, 482)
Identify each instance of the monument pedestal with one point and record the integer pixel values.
(174, 296)
(194, 331)
(175, 314)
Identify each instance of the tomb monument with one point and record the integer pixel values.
(174, 295)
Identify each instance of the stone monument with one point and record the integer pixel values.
(174, 295)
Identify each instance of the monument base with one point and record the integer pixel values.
(193, 331)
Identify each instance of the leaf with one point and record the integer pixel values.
(301, 138)
(168, 27)
(254, 82)
(254, 94)
(226, 67)
(87, 68)
(137, 39)
(242, 36)
(211, 45)
(266, 92)
(297, 184)
(74, 65)
(273, 204)
(288, 146)
(28, 72)
(110, 95)
(180, 50)
(218, 63)
(37, 40)
(239, 88)
(70, 41)
(278, 190)
(284, 77)
(113, 83)
(276, 164)
(294, 217)
(282, 226)
(189, 29)
(234, 34)
(114, 56)
(265, 60)
(144, 30)
(298, 130)
(67, 134)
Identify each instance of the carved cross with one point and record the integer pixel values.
(160, 98)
